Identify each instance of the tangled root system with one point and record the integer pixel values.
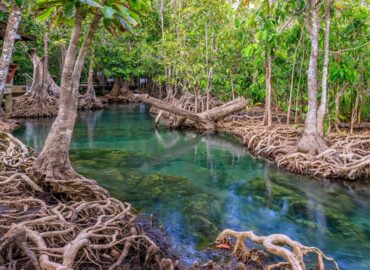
(280, 245)
(345, 157)
(90, 103)
(26, 106)
(43, 229)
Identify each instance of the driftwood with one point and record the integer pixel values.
(205, 120)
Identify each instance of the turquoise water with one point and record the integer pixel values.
(195, 186)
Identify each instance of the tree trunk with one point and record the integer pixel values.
(232, 86)
(267, 120)
(90, 92)
(116, 90)
(292, 80)
(53, 162)
(298, 89)
(43, 84)
(355, 110)
(323, 104)
(209, 86)
(46, 60)
(206, 120)
(311, 142)
(8, 46)
(337, 99)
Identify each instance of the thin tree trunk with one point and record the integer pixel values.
(298, 90)
(209, 87)
(355, 110)
(196, 100)
(323, 104)
(90, 80)
(267, 120)
(337, 99)
(232, 86)
(53, 162)
(310, 141)
(292, 79)
(46, 60)
(8, 46)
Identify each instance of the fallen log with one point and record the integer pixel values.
(205, 120)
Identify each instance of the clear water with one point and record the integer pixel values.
(198, 185)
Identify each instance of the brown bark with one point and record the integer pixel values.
(311, 142)
(267, 120)
(321, 112)
(43, 84)
(206, 120)
(53, 162)
(54, 159)
(8, 46)
(120, 88)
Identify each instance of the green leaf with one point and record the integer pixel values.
(2, 16)
(19, 2)
(91, 3)
(42, 16)
(69, 9)
(124, 24)
(108, 12)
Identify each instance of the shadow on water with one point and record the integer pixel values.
(196, 186)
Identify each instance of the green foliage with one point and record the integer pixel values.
(209, 34)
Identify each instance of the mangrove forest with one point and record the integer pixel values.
(184, 135)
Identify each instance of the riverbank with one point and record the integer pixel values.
(72, 224)
(112, 168)
(346, 156)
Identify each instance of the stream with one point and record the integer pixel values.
(195, 186)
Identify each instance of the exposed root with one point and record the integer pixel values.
(26, 106)
(345, 157)
(8, 124)
(88, 102)
(279, 245)
(44, 229)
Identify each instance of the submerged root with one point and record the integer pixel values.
(27, 106)
(345, 156)
(44, 229)
(278, 245)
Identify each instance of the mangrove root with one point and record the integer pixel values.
(346, 156)
(275, 244)
(44, 229)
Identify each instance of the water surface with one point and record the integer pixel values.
(195, 186)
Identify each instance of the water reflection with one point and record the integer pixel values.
(197, 186)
